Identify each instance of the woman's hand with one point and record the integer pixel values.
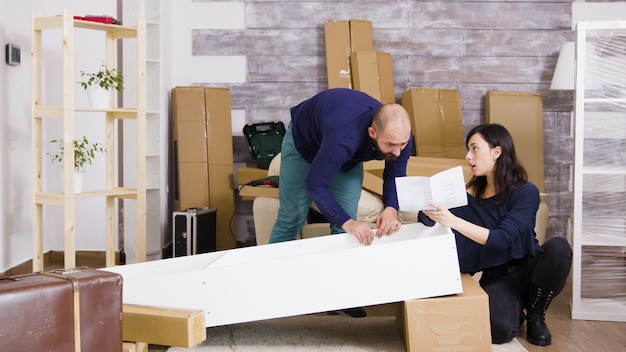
(441, 215)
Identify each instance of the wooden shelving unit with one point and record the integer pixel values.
(66, 199)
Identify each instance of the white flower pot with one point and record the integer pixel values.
(99, 98)
(78, 182)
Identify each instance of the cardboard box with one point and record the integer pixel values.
(163, 326)
(372, 73)
(458, 322)
(342, 38)
(436, 121)
(222, 197)
(522, 115)
(192, 187)
(244, 175)
(416, 166)
(299, 277)
(219, 130)
(189, 124)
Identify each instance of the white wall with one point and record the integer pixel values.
(15, 131)
(593, 11)
(178, 17)
(188, 69)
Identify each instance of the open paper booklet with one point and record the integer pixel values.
(446, 188)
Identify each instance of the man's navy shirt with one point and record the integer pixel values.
(330, 132)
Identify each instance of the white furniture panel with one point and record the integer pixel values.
(300, 277)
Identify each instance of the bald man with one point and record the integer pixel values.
(329, 137)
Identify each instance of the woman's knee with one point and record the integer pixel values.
(558, 245)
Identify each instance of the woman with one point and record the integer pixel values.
(495, 234)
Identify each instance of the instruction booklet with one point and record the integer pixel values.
(446, 188)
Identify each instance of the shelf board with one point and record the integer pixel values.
(604, 170)
(58, 111)
(59, 198)
(603, 243)
(56, 22)
(605, 100)
(603, 309)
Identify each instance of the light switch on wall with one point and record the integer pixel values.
(13, 54)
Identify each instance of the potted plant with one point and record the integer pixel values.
(99, 85)
(84, 154)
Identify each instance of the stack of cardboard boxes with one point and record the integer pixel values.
(352, 63)
(436, 115)
(203, 146)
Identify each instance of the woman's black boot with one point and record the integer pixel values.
(537, 332)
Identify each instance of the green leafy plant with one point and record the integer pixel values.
(84, 152)
(105, 78)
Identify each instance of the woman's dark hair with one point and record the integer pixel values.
(509, 172)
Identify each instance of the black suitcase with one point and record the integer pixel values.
(264, 141)
(195, 231)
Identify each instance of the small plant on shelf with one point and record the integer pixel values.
(84, 153)
(104, 78)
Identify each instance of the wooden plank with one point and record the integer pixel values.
(429, 42)
(163, 326)
(436, 14)
(299, 14)
(280, 68)
(522, 43)
(285, 41)
(141, 142)
(502, 15)
(480, 69)
(69, 206)
(36, 137)
(283, 95)
(134, 346)
(442, 42)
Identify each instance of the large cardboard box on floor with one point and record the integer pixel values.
(457, 322)
(372, 73)
(436, 121)
(522, 115)
(342, 38)
(299, 277)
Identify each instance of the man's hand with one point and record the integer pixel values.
(359, 229)
(387, 222)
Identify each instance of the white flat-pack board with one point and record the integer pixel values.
(300, 277)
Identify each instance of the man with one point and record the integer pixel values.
(328, 139)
